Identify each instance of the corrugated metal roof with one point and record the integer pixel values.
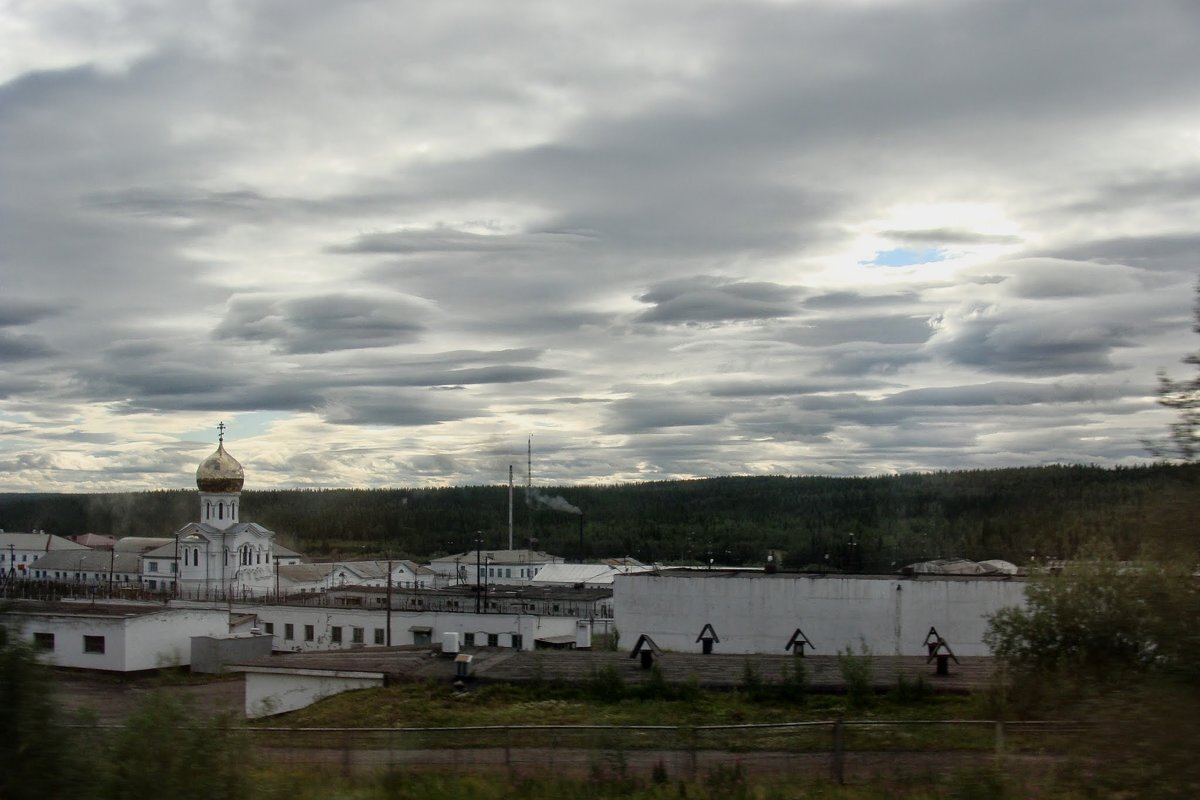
(571, 574)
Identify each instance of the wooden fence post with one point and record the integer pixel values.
(839, 760)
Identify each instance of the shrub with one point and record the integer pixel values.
(857, 670)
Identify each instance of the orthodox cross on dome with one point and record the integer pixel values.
(221, 432)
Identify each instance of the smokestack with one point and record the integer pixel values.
(510, 501)
(529, 489)
(580, 537)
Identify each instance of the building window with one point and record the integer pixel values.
(93, 644)
(468, 640)
(379, 637)
(516, 641)
(356, 636)
(269, 627)
(309, 634)
(335, 635)
(43, 641)
(508, 573)
(493, 640)
(151, 566)
(289, 632)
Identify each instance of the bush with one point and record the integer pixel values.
(162, 752)
(605, 685)
(857, 672)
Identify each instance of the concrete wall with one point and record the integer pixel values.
(757, 613)
(276, 691)
(164, 639)
(324, 619)
(210, 654)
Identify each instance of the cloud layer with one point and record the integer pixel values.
(387, 243)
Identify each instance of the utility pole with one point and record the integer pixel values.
(478, 571)
(389, 603)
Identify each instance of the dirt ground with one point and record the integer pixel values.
(112, 697)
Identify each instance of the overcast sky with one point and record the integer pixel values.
(388, 242)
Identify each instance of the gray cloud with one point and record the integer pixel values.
(948, 236)
(710, 299)
(647, 228)
(321, 324)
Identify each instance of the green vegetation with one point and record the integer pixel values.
(734, 782)
(163, 750)
(40, 756)
(1016, 514)
(1183, 435)
(606, 700)
(1116, 644)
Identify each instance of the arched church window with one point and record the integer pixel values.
(208, 509)
(220, 511)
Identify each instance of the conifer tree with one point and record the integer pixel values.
(1183, 435)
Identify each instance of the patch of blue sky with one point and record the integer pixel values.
(903, 257)
(240, 425)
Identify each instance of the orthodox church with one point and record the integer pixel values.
(220, 553)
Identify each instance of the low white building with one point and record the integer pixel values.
(303, 578)
(20, 551)
(491, 566)
(304, 628)
(115, 637)
(405, 574)
(101, 568)
(589, 575)
(758, 612)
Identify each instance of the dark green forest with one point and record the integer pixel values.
(840, 524)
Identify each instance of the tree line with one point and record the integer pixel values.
(874, 524)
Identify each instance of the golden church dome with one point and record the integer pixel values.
(220, 472)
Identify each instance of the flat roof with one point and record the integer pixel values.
(110, 609)
(759, 574)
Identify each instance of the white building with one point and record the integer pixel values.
(303, 628)
(589, 575)
(101, 568)
(117, 637)
(490, 566)
(758, 612)
(405, 574)
(19, 551)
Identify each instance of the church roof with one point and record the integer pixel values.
(220, 472)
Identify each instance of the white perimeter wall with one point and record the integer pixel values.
(325, 618)
(757, 613)
(276, 692)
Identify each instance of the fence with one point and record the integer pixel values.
(841, 750)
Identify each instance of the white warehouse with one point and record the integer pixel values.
(759, 612)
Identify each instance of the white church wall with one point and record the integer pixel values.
(757, 613)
